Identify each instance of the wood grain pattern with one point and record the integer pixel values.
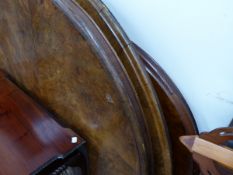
(212, 151)
(221, 137)
(178, 116)
(75, 71)
(209, 150)
(29, 135)
(160, 162)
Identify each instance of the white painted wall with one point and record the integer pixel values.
(193, 41)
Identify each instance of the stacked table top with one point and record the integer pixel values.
(76, 60)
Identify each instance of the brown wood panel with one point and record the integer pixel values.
(29, 136)
(178, 116)
(75, 71)
(161, 159)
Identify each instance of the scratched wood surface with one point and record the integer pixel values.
(63, 57)
(29, 135)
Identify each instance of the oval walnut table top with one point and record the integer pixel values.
(65, 54)
(178, 116)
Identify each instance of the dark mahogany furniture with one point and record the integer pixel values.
(31, 141)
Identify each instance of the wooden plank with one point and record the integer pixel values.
(209, 150)
(212, 151)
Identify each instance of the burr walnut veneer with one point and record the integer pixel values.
(60, 52)
(76, 60)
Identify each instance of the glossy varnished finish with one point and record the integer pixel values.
(29, 136)
(62, 57)
(177, 114)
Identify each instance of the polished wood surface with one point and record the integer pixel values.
(161, 157)
(178, 116)
(222, 137)
(29, 136)
(209, 150)
(63, 57)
